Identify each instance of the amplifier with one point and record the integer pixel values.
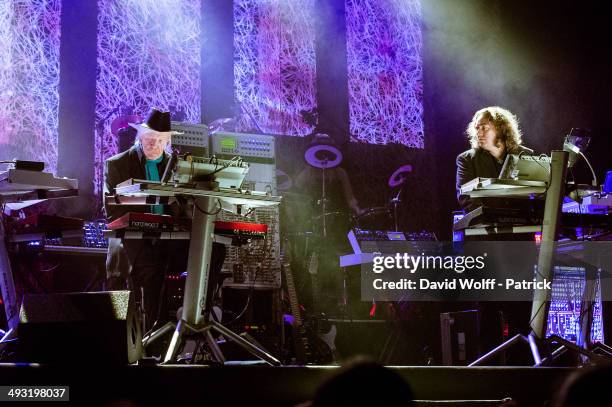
(460, 337)
(100, 327)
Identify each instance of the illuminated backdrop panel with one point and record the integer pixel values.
(148, 56)
(29, 80)
(385, 71)
(274, 65)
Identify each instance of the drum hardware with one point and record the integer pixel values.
(283, 181)
(323, 154)
(395, 201)
(376, 217)
(398, 179)
(122, 122)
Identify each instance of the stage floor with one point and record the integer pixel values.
(283, 386)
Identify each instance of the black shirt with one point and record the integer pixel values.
(474, 163)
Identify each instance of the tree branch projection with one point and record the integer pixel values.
(274, 65)
(29, 80)
(148, 56)
(385, 71)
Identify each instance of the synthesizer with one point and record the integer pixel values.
(142, 221)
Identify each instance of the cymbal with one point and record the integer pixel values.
(323, 156)
(219, 124)
(398, 177)
(283, 180)
(121, 122)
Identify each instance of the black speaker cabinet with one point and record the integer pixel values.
(98, 327)
(460, 337)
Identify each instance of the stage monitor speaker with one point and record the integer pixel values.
(460, 337)
(98, 327)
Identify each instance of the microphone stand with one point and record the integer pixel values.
(324, 201)
(100, 129)
(170, 167)
(395, 201)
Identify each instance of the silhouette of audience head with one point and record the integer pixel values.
(587, 387)
(363, 382)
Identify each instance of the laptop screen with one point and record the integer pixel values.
(526, 168)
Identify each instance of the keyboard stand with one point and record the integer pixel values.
(536, 338)
(195, 317)
(20, 189)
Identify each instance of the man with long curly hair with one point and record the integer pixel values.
(493, 133)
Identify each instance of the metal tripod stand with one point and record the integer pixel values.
(536, 339)
(195, 317)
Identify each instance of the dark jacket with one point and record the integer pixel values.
(475, 163)
(121, 167)
(122, 255)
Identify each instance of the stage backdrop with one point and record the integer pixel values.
(29, 80)
(393, 81)
(149, 54)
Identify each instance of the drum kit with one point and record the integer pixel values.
(324, 155)
(315, 236)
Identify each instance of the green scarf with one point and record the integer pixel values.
(152, 174)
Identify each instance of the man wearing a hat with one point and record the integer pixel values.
(145, 261)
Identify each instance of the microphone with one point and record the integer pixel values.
(170, 167)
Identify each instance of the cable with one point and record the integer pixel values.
(249, 212)
(246, 306)
(594, 181)
(265, 255)
(536, 314)
(214, 157)
(236, 159)
(219, 208)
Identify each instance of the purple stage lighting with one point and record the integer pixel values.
(385, 71)
(148, 56)
(274, 68)
(29, 80)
